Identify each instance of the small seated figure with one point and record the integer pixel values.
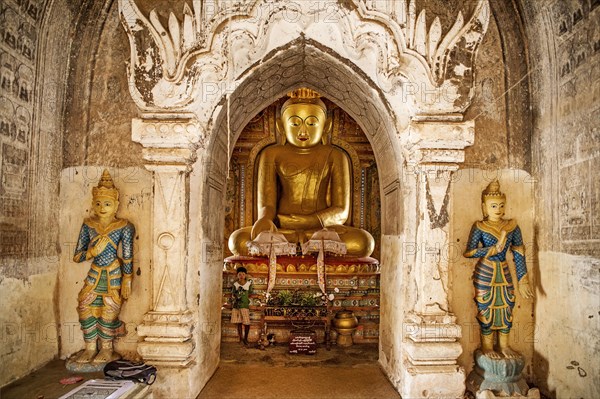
(304, 184)
(489, 241)
(108, 281)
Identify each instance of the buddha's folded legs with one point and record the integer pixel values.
(238, 241)
(359, 243)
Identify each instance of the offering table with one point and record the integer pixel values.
(353, 283)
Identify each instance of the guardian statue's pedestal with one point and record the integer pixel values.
(499, 378)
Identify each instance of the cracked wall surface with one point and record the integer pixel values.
(564, 38)
(34, 42)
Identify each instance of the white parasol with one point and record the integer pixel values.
(271, 243)
(322, 241)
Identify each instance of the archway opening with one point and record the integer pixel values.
(300, 64)
(351, 284)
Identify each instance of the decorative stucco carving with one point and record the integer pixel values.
(190, 63)
(438, 218)
(439, 56)
(168, 139)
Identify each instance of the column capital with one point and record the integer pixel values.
(438, 140)
(169, 140)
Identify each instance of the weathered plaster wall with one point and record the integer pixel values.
(394, 307)
(135, 197)
(467, 185)
(564, 45)
(33, 74)
(566, 329)
(206, 263)
(99, 106)
(110, 104)
(488, 109)
(500, 106)
(398, 276)
(34, 38)
(18, 56)
(28, 325)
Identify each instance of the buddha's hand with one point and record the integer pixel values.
(525, 289)
(99, 246)
(299, 222)
(126, 287)
(262, 224)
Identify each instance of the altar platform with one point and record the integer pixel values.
(353, 282)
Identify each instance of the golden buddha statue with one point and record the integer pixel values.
(304, 183)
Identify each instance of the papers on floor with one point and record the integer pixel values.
(100, 389)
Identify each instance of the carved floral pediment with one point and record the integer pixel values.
(187, 62)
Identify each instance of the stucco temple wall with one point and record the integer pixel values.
(34, 39)
(394, 274)
(28, 324)
(564, 57)
(566, 328)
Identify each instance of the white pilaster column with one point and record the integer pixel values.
(431, 347)
(170, 143)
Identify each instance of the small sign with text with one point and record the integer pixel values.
(303, 341)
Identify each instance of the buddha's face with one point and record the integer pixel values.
(493, 208)
(303, 124)
(105, 207)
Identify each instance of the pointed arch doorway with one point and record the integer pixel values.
(302, 64)
(353, 285)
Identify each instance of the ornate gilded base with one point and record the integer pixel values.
(492, 378)
(353, 282)
(304, 264)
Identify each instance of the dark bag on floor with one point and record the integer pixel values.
(126, 370)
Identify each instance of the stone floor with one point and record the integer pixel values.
(45, 383)
(252, 373)
(273, 373)
(344, 373)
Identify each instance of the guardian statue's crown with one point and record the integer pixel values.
(492, 191)
(106, 187)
